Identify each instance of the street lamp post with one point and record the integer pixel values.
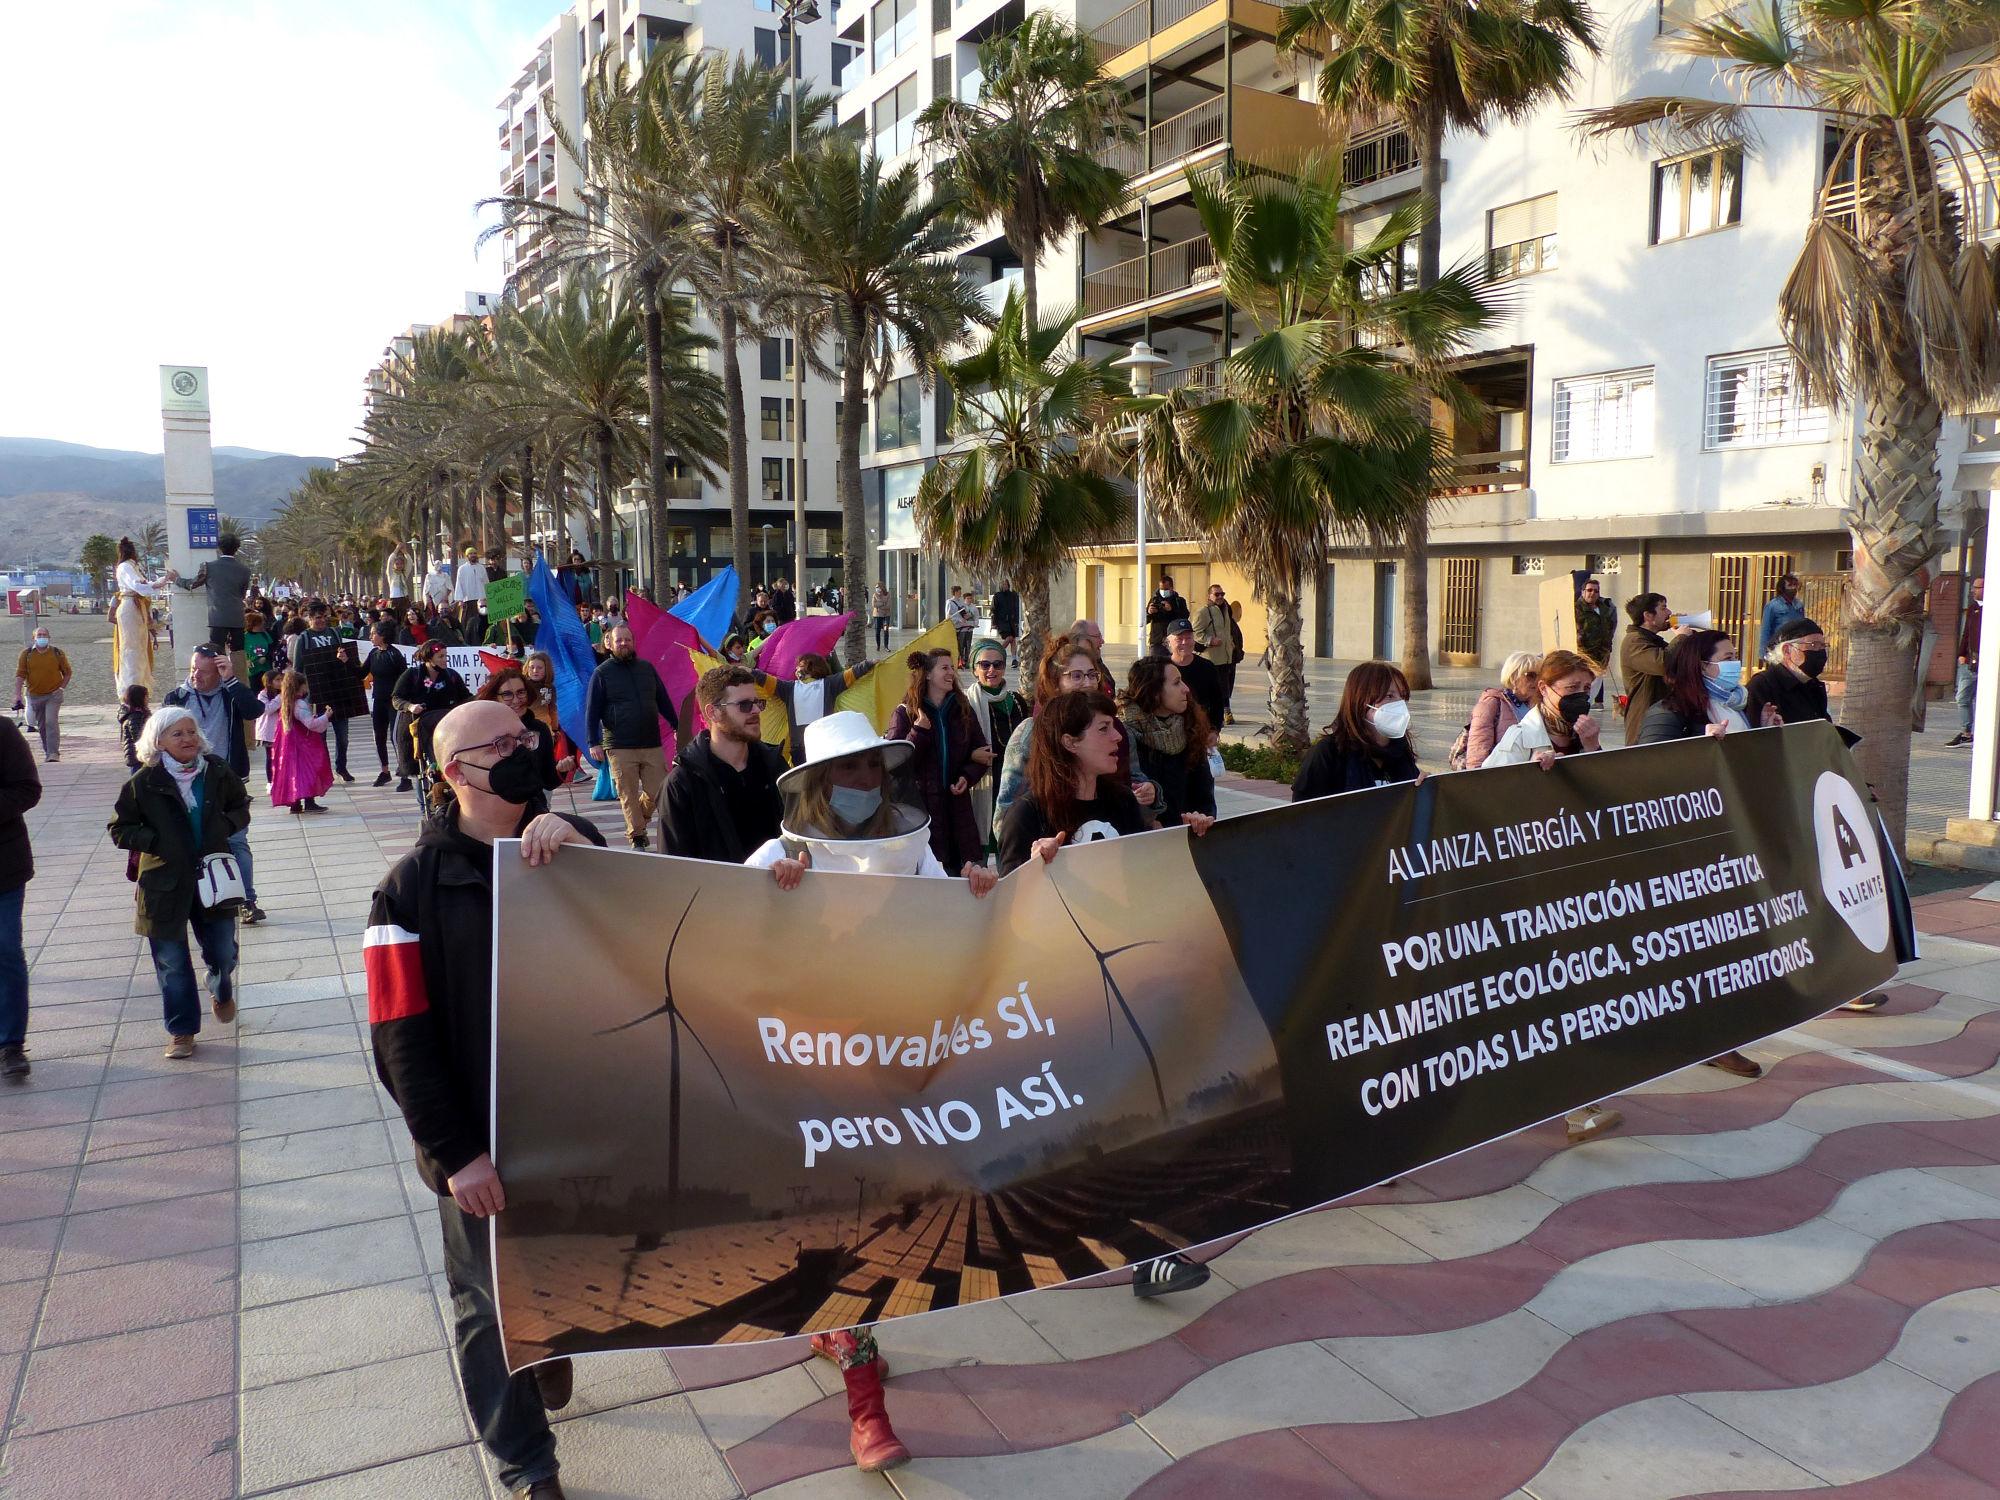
(765, 540)
(1139, 366)
(794, 12)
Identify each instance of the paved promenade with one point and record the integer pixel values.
(219, 1278)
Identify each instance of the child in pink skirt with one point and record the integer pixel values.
(303, 769)
(267, 722)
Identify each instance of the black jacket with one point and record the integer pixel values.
(244, 708)
(1184, 787)
(20, 789)
(1799, 700)
(420, 693)
(1161, 614)
(626, 701)
(694, 815)
(385, 666)
(1006, 613)
(1665, 722)
(1333, 767)
(332, 680)
(428, 954)
(151, 819)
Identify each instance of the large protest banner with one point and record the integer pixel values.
(724, 1112)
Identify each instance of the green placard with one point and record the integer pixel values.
(506, 598)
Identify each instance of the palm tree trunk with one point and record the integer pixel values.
(739, 451)
(1291, 730)
(1416, 561)
(528, 501)
(1893, 519)
(1036, 625)
(656, 433)
(496, 510)
(853, 516)
(607, 591)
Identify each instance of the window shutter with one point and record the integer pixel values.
(1528, 220)
(940, 77)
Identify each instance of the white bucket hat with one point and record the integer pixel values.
(842, 734)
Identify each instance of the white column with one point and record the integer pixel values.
(191, 513)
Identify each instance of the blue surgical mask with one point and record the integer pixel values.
(854, 804)
(1729, 673)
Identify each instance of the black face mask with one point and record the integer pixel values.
(515, 778)
(1573, 706)
(1813, 663)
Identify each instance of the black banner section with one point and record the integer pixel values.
(727, 1113)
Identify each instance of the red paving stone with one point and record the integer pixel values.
(144, 1294)
(68, 1385)
(1281, 1465)
(180, 1453)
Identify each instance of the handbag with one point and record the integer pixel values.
(219, 879)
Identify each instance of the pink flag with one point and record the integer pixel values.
(665, 640)
(816, 634)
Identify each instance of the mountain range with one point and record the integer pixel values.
(54, 494)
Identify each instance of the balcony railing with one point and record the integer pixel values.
(1127, 29)
(682, 486)
(1482, 473)
(1189, 131)
(1204, 378)
(1169, 269)
(1381, 153)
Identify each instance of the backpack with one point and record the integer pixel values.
(1457, 757)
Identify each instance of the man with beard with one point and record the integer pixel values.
(722, 799)
(622, 713)
(428, 955)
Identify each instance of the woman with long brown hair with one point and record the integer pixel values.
(1558, 720)
(1171, 734)
(1368, 742)
(1070, 664)
(1703, 692)
(950, 753)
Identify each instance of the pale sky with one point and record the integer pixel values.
(267, 187)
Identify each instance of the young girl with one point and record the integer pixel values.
(267, 723)
(303, 770)
(132, 716)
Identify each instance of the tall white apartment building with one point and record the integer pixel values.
(548, 89)
(1645, 423)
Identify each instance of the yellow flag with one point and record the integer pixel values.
(877, 694)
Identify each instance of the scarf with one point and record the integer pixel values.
(184, 777)
(1727, 697)
(1164, 734)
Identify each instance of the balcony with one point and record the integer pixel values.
(1487, 473)
(1380, 153)
(682, 486)
(1178, 267)
(1261, 128)
(1169, 23)
(1204, 379)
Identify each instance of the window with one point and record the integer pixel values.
(764, 42)
(774, 358)
(1394, 273)
(1521, 238)
(898, 414)
(1757, 400)
(895, 28)
(774, 417)
(896, 120)
(1604, 416)
(846, 58)
(1697, 194)
(1458, 622)
(1604, 562)
(1527, 567)
(773, 480)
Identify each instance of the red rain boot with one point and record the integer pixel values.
(872, 1441)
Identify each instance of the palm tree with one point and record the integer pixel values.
(1025, 491)
(727, 133)
(1890, 306)
(1437, 66)
(97, 558)
(631, 223)
(152, 541)
(576, 378)
(1317, 431)
(868, 261)
(1029, 149)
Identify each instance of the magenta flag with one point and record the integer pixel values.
(665, 640)
(817, 634)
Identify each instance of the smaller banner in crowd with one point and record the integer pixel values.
(506, 598)
(726, 1112)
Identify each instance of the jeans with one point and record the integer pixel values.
(340, 745)
(43, 712)
(881, 632)
(173, 964)
(1968, 680)
(13, 969)
(506, 1409)
(239, 845)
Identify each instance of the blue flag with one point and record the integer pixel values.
(710, 608)
(567, 642)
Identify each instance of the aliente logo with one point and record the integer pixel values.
(1850, 859)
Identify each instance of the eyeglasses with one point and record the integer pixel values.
(513, 693)
(506, 744)
(745, 705)
(1084, 674)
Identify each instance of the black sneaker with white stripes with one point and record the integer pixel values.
(1170, 1273)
